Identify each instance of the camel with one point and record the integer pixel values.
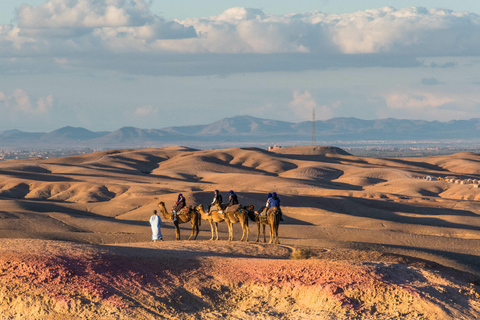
(187, 214)
(272, 219)
(237, 214)
(214, 218)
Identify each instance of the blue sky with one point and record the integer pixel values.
(151, 64)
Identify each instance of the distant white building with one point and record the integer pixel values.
(271, 148)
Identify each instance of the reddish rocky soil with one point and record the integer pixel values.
(187, 280)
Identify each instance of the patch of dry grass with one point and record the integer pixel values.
(302, 253)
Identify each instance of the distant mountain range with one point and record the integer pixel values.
(247, 130)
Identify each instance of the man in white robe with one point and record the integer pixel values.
(155, 222)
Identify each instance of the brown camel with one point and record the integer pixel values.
(237, 214)
(187, 214)
(272, 219)
(214, 217)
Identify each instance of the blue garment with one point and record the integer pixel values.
(273, 202)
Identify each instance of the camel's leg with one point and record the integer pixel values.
(216, 229)
(211, 227)
(258, 231)
(271, 234)
(264, 237)
(230, 231)
(243, 230)
(177, 231)
(197, 227)
(276, 235)
(193, 229)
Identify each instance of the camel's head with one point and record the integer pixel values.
(199, 207)
(250, 207)
(161, 204)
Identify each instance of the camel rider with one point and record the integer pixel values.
(269, 199)
(263, 210)
(178, 206)
(232, 199)
(217, 198)
(274, 201)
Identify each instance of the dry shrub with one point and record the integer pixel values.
(301, 253)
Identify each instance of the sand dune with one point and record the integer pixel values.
(386, 244)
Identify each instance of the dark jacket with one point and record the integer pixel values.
(217, 199)
(180, 204)
(233, 199)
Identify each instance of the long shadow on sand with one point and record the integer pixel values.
(45, 207)
(36, 176)
(385, 210)
(466, 262)
(469, 260)
(191, 251)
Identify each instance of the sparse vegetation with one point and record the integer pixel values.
(302, 253)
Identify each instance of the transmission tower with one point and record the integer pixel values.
(314, 136)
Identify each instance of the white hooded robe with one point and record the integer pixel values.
(155, 222)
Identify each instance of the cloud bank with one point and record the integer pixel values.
(68, 28)
(20, 102)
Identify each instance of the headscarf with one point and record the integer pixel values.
(179, 197)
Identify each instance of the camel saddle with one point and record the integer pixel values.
(263, 215)
(233, 208)
(185, 211)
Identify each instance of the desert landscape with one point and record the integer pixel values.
(362, 237)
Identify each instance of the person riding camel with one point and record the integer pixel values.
(217, 199)
(263, 209)
(179, 205)
(232, 199)
(274, 201)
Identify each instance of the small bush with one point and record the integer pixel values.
(298, 254)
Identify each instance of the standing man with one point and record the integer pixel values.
(155, 223)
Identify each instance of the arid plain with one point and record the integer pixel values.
(363, 238)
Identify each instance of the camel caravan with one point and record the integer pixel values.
(230, 213)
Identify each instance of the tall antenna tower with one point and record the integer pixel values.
(314, 135)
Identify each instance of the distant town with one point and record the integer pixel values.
(42, 154)
(365, 151)
(389, 151)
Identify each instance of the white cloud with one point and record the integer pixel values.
(416, 100)
(328, 111)
(302, 104)
(431, 105)
(84, 13)
(126, 35)
(146, 111)
(21, 102)
(122, 25)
